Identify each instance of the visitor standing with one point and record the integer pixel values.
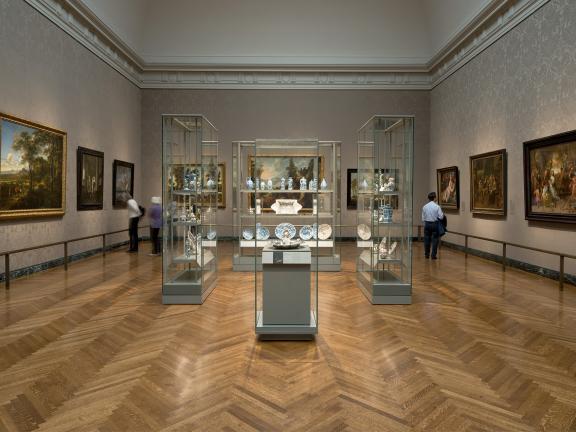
(155, 216)
(431, 215)
(134, 214)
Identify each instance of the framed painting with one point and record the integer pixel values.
(550, 178)
(488, 183)
(448, 188)
(122, 183)
(177, 178)
(89, 179)
(32, 169)
(274, 167)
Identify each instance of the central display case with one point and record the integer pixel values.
(384, 209)
(282, 213)
(190, 198)
(276, 179)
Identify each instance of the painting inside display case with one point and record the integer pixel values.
(90, 179)
(448, 187)
(219, 176)
(122, 183)
(32, 169)
(550, 178)
(488, 183)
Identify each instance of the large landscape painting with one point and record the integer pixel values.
(32, 169)
(550, 178)
(488, 183)
(211, 172)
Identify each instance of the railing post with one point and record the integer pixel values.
(103, 245)
(465, 247)
(7, 270)
(503, 256)
(561, 273)
(66, 256)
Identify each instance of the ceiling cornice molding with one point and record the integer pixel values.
(494, 20)
(92, 34)
(498, 18)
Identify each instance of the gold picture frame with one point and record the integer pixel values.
(32, 169)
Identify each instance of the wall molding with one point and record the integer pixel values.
(496, 19)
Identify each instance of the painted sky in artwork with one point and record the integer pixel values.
(9, 160)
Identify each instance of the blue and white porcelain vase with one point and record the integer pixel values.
(290, 183)
(385, 213)
(257, 183)
(249, 183)
(270, 186)
(282, 183)
(303, 183)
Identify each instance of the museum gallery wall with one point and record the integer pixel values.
(246, 115)
(76, 93)
(520, 89)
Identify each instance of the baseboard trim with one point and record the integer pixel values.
(510, 262)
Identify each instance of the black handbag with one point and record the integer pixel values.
(441, 226)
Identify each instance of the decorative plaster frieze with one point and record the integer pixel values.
(486, 29)
(92, 34)
(495, 20)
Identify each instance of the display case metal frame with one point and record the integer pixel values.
(190, 195)
(245, 251)
(286, 281)
(384, 262)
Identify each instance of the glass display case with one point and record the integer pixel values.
(280, 199)
(384, 209)
(282, 166)
(190, 200)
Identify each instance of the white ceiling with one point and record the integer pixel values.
(286, 32)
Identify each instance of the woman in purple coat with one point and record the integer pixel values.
(155, 215)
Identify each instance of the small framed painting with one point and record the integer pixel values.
(488, 183)
(90, 179)
(550, 178)
(448, 187)
(122, 183)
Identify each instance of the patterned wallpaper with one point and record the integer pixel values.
(48, 78)
(521, 88)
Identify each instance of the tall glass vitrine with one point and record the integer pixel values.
(384, 209)
(286, 162)
(190, 200)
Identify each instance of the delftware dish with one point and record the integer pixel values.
(306, 232)
(262, 233)
(324, 232)
(285, 230)
(248, 234)
(364, 232)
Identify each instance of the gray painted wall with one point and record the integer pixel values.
(523, 87)
(48, 78)
(251, 114)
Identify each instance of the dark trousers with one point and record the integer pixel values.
(430, 238)
(154, 236)
(133, 231)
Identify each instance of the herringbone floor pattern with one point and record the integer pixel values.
(479, 350)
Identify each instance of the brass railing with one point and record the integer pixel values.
(505, 245)
(64, 243)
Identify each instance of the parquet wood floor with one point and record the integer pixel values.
(479, 350)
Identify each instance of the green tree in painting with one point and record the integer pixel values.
(292, 170)
(30, 150)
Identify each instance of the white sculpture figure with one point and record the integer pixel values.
(249, 183)
(314, 206)
(387, 185)
(282, 183)
(290, 183)
(270, 186)
(364, 184)
(324, 184)
(303, 183)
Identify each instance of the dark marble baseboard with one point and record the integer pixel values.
(26, 271)
(541, 271)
